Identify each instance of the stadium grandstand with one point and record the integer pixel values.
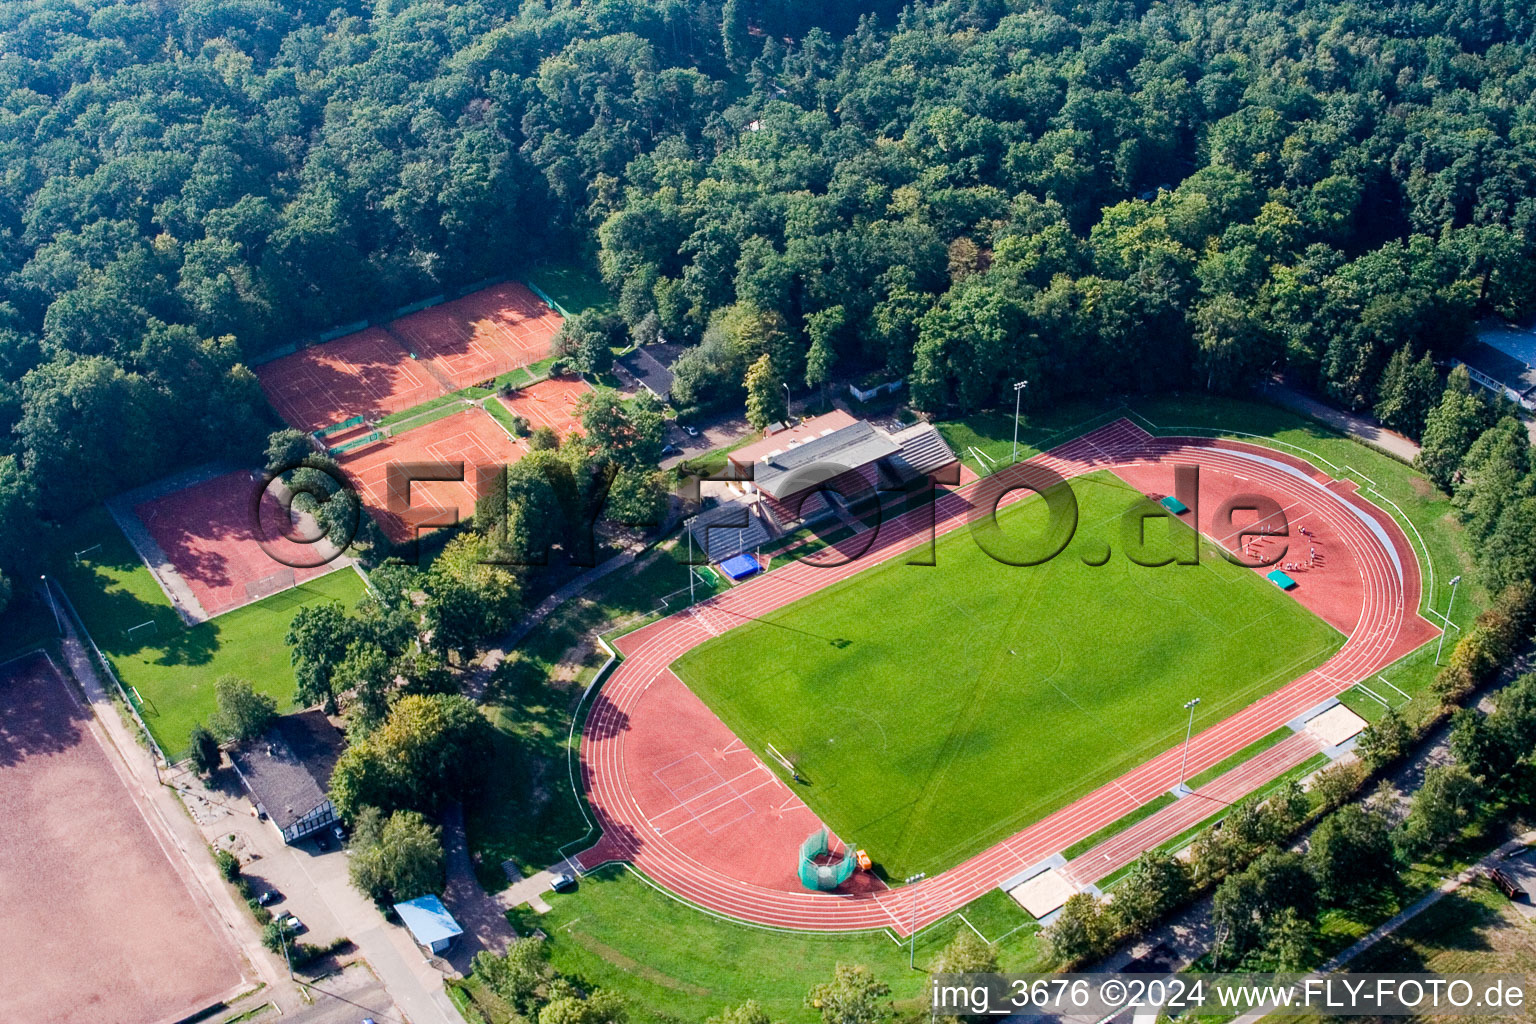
(792, 470)
(729, 528)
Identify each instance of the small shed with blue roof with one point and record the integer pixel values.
(429, 921)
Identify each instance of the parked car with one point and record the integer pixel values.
(340, 834)
(269, 897)
(292, 925)
(1506, 884)
(691, 431)
(321, 841)
(563, 882)
(670, 449)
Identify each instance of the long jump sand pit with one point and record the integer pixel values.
(98, 924)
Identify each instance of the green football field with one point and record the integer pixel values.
(937, 710)
(171, 667)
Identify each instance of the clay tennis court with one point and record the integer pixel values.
(206, 532)
(549, 403)
(364, 374)
(484, 334)
(470, 436)
(99, 925)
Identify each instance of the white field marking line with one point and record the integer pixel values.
(722, 784)
(697, 820)
(1372, 694)
(692, 815)
(736, 797)
(670, 764)
(1441, 616)
(1389, 682)
(781, 808)
(1429, 559)
(1237, 530)
(882, 904)
(1361, 475)
(1315, 459)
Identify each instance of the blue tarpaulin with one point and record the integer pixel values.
(429, 922)
(1174, 505)
(1280, 580)
(739, 567)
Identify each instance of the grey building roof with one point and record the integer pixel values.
(1503, 366)
(727, 529)
(648, 364)
(923, 448)
(288, 769)
(785, 473)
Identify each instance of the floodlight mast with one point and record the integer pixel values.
(1189, 731)
(47, 589)
(1455, 581)
(912, 949)
(1018, 396)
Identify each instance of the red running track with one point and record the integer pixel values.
(676, 828)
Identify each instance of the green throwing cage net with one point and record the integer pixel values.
(818, 869)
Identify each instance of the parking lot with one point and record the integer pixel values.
(313, 884)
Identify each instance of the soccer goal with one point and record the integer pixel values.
(784, 762)
(275, 583)
(143, 631)
(81, 554)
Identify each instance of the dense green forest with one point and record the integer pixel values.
(1100, 197)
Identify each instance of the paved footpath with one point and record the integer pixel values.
(165, 814)
(1392, 924)
(412, 981)
(1361, 428)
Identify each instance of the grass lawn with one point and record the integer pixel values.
(449, 402)
(1423, 511)
(173, 668)
(573, 287)
(712, 463)
(934, 716)
(529, 809)
(675, 962)
(501, 414)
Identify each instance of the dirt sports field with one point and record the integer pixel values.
(99, 926)
(362, 374)
(383, 370)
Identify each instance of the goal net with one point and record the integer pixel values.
(820, 868)
(269, 585)
(142, 631)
